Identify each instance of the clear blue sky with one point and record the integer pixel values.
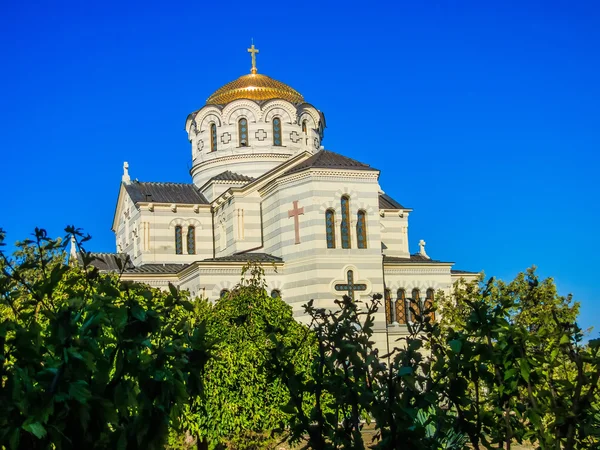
(483, 116)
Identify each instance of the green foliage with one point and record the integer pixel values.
(242, 398)
(522, 360)
(88, 361)
(506, 363)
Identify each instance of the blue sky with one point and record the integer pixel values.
(483, 116)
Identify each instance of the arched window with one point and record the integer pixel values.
(275, 293)
(213, 137)
(178, 240)
(330, 228)
(388, 307)
(191, 240)
(401, 307)
(243, 132)
(277, 131)
(361, 230)
(304, 127)
(345, 227)
(415, 302)
(429, 303)
(223, 293)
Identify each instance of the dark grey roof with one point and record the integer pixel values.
(228, 175)
(158, 268)
(325, 159)
(465, 272)
(109, 262)
(387, 202)
(414, 259)
(245, 257)
(165, 193)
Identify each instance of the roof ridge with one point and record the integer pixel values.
(164, 182)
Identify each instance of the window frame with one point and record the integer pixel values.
(361, 231)
(213, 137)
(345, 223)
(191, 241)
(278, 119)
(330, 228)
(247, 143)
(178, 240)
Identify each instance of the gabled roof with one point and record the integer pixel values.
(325, 159)
(463, 272)
(228, 175)
(414, 259)
(245, 257)
(158, 268)
(387, 202)
(109, 262)
(182, 193)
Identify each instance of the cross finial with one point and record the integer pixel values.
(125, 178)
(253, 50)
(422, 249)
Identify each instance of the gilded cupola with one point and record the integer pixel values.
(254, 86)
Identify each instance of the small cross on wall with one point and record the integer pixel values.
(296, 212)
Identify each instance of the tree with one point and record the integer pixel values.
(517, 351)
(242, 398)
(88, 361)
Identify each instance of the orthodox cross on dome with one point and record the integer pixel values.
(253, 50)
(295, 212)
(350, 286)
(422, 249)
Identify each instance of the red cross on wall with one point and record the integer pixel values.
(295, 212)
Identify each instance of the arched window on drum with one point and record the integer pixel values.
(277, 132)
(243, 132)
(213, 137)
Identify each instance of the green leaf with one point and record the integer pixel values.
(525, 369)
(79, 391)
(564, 339)
(455, 345)
(405, 371)
(138, 312)
(36, 428)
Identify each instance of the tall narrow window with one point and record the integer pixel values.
(213, 137)
(401, 309)
(429, 303)
(304, 127)
(415, 302)
(191, 240)
(330, 228)
(345, 227)
(178, 241)
(243, 132)
(388, 307)
(361, 230)
(277, 131)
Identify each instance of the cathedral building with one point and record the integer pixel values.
(263, 188)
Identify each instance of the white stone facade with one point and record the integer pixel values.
(268, 200)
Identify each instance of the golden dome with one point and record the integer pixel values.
(254, 87)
